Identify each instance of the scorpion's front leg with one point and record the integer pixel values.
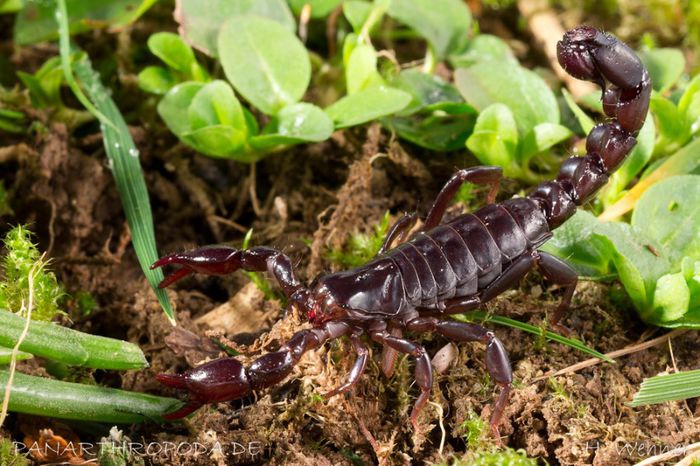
(223, 260)
(497, 361)
(227, 379)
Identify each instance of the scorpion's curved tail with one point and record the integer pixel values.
(589, 54)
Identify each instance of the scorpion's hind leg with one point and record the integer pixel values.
(497, 361)
(223, 260)
(477, 175)
(423, 372)
(561, 273)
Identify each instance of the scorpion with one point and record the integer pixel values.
(442, 269)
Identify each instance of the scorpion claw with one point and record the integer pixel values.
(210, 260)
(187, 409)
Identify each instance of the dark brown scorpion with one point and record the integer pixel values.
(445, 268)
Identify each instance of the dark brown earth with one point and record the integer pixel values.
(307, 202)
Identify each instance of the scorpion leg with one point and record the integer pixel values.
(357, 369)
(423, 371)
(497, 361)
(389, 355)
(227, 379)
(561, 273)
(222, 260)
(476, 175)
(398, 230)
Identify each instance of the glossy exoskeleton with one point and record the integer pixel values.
(444, 269)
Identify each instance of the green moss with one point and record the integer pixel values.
(475, 431)
(507, 457)
(360, 247)
(9, 455)
(21, 255)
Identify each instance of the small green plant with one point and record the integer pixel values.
(21, 256)
(656, 256)
(45, 92)
(476, 432)
(9, 455)
(266, 63)
(505, 457)
(518, 119)
(360, 248)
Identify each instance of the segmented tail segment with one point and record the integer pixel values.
(589, 54)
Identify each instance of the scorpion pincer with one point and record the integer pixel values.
(444, 269)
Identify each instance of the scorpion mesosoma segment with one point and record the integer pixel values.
(445, 268)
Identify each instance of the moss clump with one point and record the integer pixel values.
(9, 454)
(360, 247)
(507, 457)
(21, 256)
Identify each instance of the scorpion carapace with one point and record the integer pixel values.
(445, 268)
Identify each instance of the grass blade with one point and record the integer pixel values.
(668, 387)
(53, 398)
(6, 355)
(69, 346)
(122, 154)
(505, 321)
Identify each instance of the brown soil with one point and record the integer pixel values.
(307, 201)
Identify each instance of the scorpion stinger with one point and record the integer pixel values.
(443, 269)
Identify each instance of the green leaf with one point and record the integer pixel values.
(264, 61)
(445, 24)
(686, 160)
(218, 141)
(319, 8)
(427, 91)
(572, 242)
(361, 69)
(672, 129)
(51, 341)
(296, 123)
(523, 91)
(367, 105)
(633, 164)
(495, 139)
(671, 297)
(483, 47)
(156, 79)
(6, 355)
(64, 400)
(172, 50)
(436, 130)
(357, 12)
(689, 105)
(674, 207)
(201, 20)
(215, 104)
(36, 22)
(174, 106)
(541, 138)
(665, 66)
(584, 120)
